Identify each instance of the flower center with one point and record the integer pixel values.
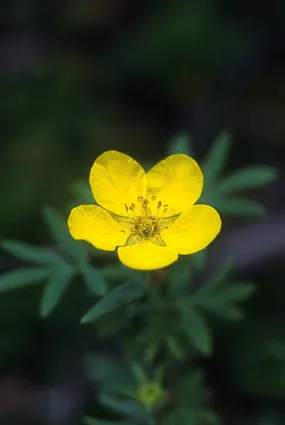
(146, 216)
(145, 225)
(145, 220)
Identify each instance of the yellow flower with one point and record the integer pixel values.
(150, 216)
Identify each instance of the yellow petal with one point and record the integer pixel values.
(94, 225)
(193, 230)
(146, 256)
(176, 181)
(116, 179)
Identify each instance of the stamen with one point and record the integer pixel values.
(130, 208)
(144, 223)
(159, 205)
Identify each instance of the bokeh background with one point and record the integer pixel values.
(79, 77)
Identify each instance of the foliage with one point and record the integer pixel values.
(220, 191)
(162, 322)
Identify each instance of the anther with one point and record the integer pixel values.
(153, 198)
(159, 204)
(132, 207)
(127, 208)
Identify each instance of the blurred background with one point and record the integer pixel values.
(79, 77)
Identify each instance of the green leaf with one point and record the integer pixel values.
(112, 323)
(240, 207)
(199, 260)
(138, 372)
(118, 297)
(142, 308)
(109, 373)
(181, 144)
(225, 312)
(216, 158)
(221, 275)
(237, 292)
(219, 299)
(174, 347)
(197, 329)
(116, 273)
(247, 178)
(101, 367)
(55, 288)
(122, 406)
(150, 352)
(22, 277)
(181, 415)
(29, 253)
(96, 284)
(186, 416)
(59, 229)
(180, 278)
